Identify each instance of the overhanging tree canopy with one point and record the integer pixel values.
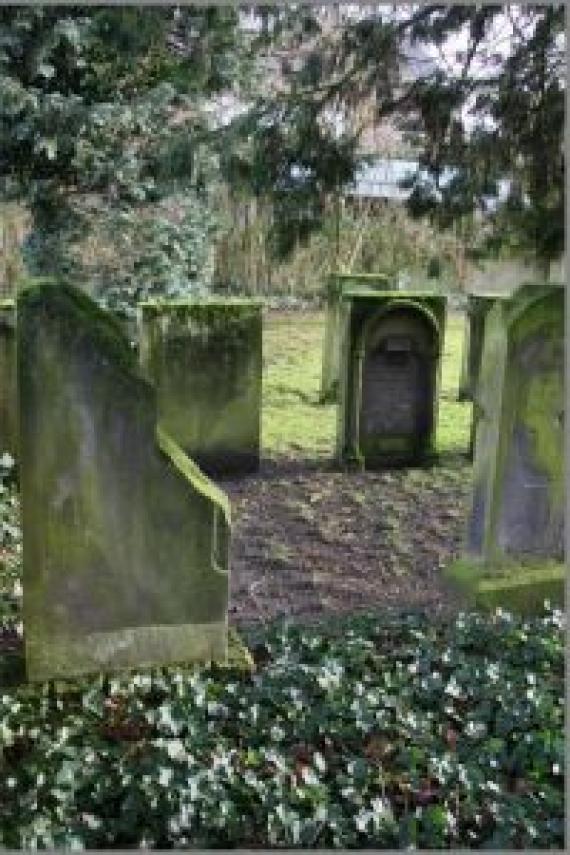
(493, 115)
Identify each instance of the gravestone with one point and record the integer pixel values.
(337, 283)
(390, 366)
(125, 540)
(478, 305)
(204, 359)
(8, 402)
(516, 527)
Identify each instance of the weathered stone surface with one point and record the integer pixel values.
(519, 459)
(391, 345)
(517, 510)
(8, 402)
(125, 540)
(478, 305)
(521, 587)
(205, 360)
(337, 284)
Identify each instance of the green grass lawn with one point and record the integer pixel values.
(294, 423)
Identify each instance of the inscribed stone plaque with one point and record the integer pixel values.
(390, 392)
(125, 540)
(397, 385)
(526, 522)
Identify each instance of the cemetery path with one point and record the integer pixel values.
(310, 542)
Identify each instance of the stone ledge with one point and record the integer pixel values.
(520, 586)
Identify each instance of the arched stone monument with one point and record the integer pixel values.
(389, 377)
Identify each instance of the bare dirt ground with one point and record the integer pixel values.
(309, 543)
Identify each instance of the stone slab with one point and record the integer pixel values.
(518, 587)
(205, 360)
(518, 486)
(125, 540)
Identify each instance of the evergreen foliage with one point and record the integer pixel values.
(103, 129)
(490, 118)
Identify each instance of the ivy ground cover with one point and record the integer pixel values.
(388, 731)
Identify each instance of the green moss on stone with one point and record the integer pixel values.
(204, 359)
(199, 480)
(520, 586)
(543, 391)
(125, 552)
(66, 302)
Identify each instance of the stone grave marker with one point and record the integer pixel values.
(8, 402)
(515, 543)
(205, 360)
(390, 365)
(125, 540)
(478, 307)
(336, 284)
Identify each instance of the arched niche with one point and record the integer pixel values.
(397, 380)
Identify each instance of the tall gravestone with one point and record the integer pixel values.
(515, 544)
(8, 402)
(205, 360)
(391, 346)
(478, 307)
(337, 284)
(125, 540)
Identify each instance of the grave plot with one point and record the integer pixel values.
(125, 541)
(515, 542)
(337, 284)
(8, 403)
(390, 365)
(204, 359)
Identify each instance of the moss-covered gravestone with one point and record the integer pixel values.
(391, 345)
(125, 540)
(515, 542)
(337, 283)
(205, 360)
(8, 402)
(478, 305)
